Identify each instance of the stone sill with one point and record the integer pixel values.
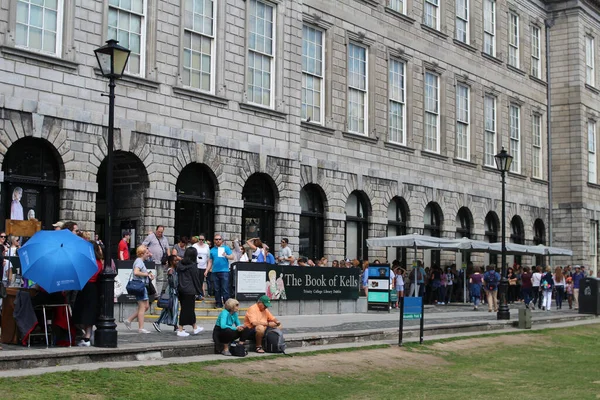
(398, 146)
(593, 185)
(434, 31)
(211, 98)
(491, 58)
(41, 57)
(358, 136)
(267, 112)
(592, 89)
(372, 3)
(136, 80)
(317, 127)
(399, 15)
(540, 181)
(516, 175)
(515, 69)
(538, 80)
(437, 156)
(465, 163)
(465, 46)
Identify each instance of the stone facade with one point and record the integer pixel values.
(162, 125)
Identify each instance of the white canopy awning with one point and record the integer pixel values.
(411, 241)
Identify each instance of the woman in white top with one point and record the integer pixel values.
(13, 242)
(399, 284)
(535, 283)
(256, 246)
(559, 284)
(203, 250)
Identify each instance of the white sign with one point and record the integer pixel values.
(252, 281)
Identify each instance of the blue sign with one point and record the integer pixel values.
(413, 306)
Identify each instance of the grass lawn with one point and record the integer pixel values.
(549, 364)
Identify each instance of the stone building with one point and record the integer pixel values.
(323, 121)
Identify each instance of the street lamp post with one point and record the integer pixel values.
(503, 161)
(112, 60)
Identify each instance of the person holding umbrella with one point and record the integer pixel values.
(140, 272)
(85, 309)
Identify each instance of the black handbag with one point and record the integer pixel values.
(238, 350)
(151, 289)
(164, 301)
(135, 287)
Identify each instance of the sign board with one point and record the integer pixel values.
(378, 286)
(412, 307)
(23, 228)
(285, 282)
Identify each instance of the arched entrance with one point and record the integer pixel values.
(357, 225)
(312, 221)
(432, 226)
(539, 237)
(517, 234)
(195, 207)
(130, 181)
(258, 216)
(32, 169)
(464, 228)
(397, 215)
(492, 224)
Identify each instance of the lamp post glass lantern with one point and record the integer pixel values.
(503, 162)
(112, 60)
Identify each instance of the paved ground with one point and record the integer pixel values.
(338, 323)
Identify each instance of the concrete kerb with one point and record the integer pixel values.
(11, 360)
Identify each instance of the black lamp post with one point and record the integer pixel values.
(112, 60)
(503, 161)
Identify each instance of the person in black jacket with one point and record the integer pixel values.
(188, 288)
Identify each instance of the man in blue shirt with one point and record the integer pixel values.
(577, 277)
(218, 263)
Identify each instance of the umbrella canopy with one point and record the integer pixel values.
(555, 251)
(411, 241)
(58, 260)
(514, 248)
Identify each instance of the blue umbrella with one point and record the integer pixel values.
(58, 260)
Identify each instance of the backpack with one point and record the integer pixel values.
(273, 342)
(491, 280)
(419, 274)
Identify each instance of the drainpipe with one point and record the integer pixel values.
(549, 24)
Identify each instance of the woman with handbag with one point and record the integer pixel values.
(141, 276)
(170, 309)
(228, 327)
(188, 288)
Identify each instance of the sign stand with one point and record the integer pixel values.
(411, 308)
(379, 287)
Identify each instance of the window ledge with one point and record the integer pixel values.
(538, 80)
(399, 15)
(372, 3)
(466, 163)
(516, 175)
(592, 89)
(136, 80)
(593, 185)
(196, 94)
(491, 58)
(515, 69)
(32, 55)
(398, 146)
(358, 136)
(465, 46)
(430, 154)
(540, 181)
(490, 169)
(434, 31)
(263, 110)
(317, 127)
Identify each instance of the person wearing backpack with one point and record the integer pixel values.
(547, 285)
(417, 276)
(491, 281)
(256, 321)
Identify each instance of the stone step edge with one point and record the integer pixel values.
(163, 350)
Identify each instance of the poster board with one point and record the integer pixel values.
(378, 285)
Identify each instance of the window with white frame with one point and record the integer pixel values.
(592, 169)
(127, 24)
(463, 146)
(515, 138)
(397, 93)
(594, 247)
(397, 5)
(489, 27)
(536, 55)
(513, 40)
(39, 25)
(432, 112)
(358, 94)
(312, 74)
(261, 53)
(590, 78)
(462, 20)
(489, 104)
(199, 44)
(537, 146)
(432, 14)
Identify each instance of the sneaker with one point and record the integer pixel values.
(127, 324)
(182, 334)
(83, 343)
(143, 331)
(226, 353)
(156, 326)
(198, 330)
(442, 303)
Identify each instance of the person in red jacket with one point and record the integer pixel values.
(124, 246)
